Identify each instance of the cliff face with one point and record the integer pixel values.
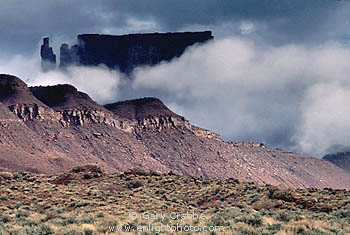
(129, 51)
(125, 52)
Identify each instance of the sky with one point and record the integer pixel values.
(277, 71)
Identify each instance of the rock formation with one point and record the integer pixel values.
(125, 52)
(48, 58)
(69, 56)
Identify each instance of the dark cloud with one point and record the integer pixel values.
(24, 23)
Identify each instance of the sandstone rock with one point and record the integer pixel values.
(48, 57)
(69, 56)
(126, 52)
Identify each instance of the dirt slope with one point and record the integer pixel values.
(52, 129)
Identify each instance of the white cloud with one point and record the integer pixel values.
(325, 118)
(133, 25)
(247, 92)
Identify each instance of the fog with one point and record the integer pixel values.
(293, 96)
(99, 82)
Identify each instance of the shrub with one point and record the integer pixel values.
(45, 230)
(100, 215)
(71, 232)
(17, 175)
(267, 212)
(4, 219)
(88, 232)
(343, 214)
(245, 231)
(218, 220)
(138, 171)
(273, 228)
(19, 205)
(88, 168)
(135, 184)
(253, 220)
(283, 195)
(267, 204)
(284, 217)
(68, 220)
(88, 220)
(22, 213)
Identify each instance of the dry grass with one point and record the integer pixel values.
(88, 201)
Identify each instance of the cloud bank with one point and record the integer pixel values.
(293, 96)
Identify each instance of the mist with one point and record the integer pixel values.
(293, 96)
(99, 82)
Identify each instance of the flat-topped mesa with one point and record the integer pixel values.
(126, 52)
(48, 58)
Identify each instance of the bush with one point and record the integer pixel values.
(71, 232)
(267, 204)
(135, 184)
(267, 212)
(218, 220)
(45, 230)
(88, 168)
(88, 220)
(4, 219)
(68, 220)
(254, 220)
(245, 231)
(22, 213)
(284, 217)
(19, 205)
(343, 214)
(17, 175)
(100, 215)
(88, 232)
(138, 171)
(274, 228)
(283, 195)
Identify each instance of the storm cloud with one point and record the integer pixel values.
(24, 23)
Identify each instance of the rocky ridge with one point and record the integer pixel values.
(50, 129)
